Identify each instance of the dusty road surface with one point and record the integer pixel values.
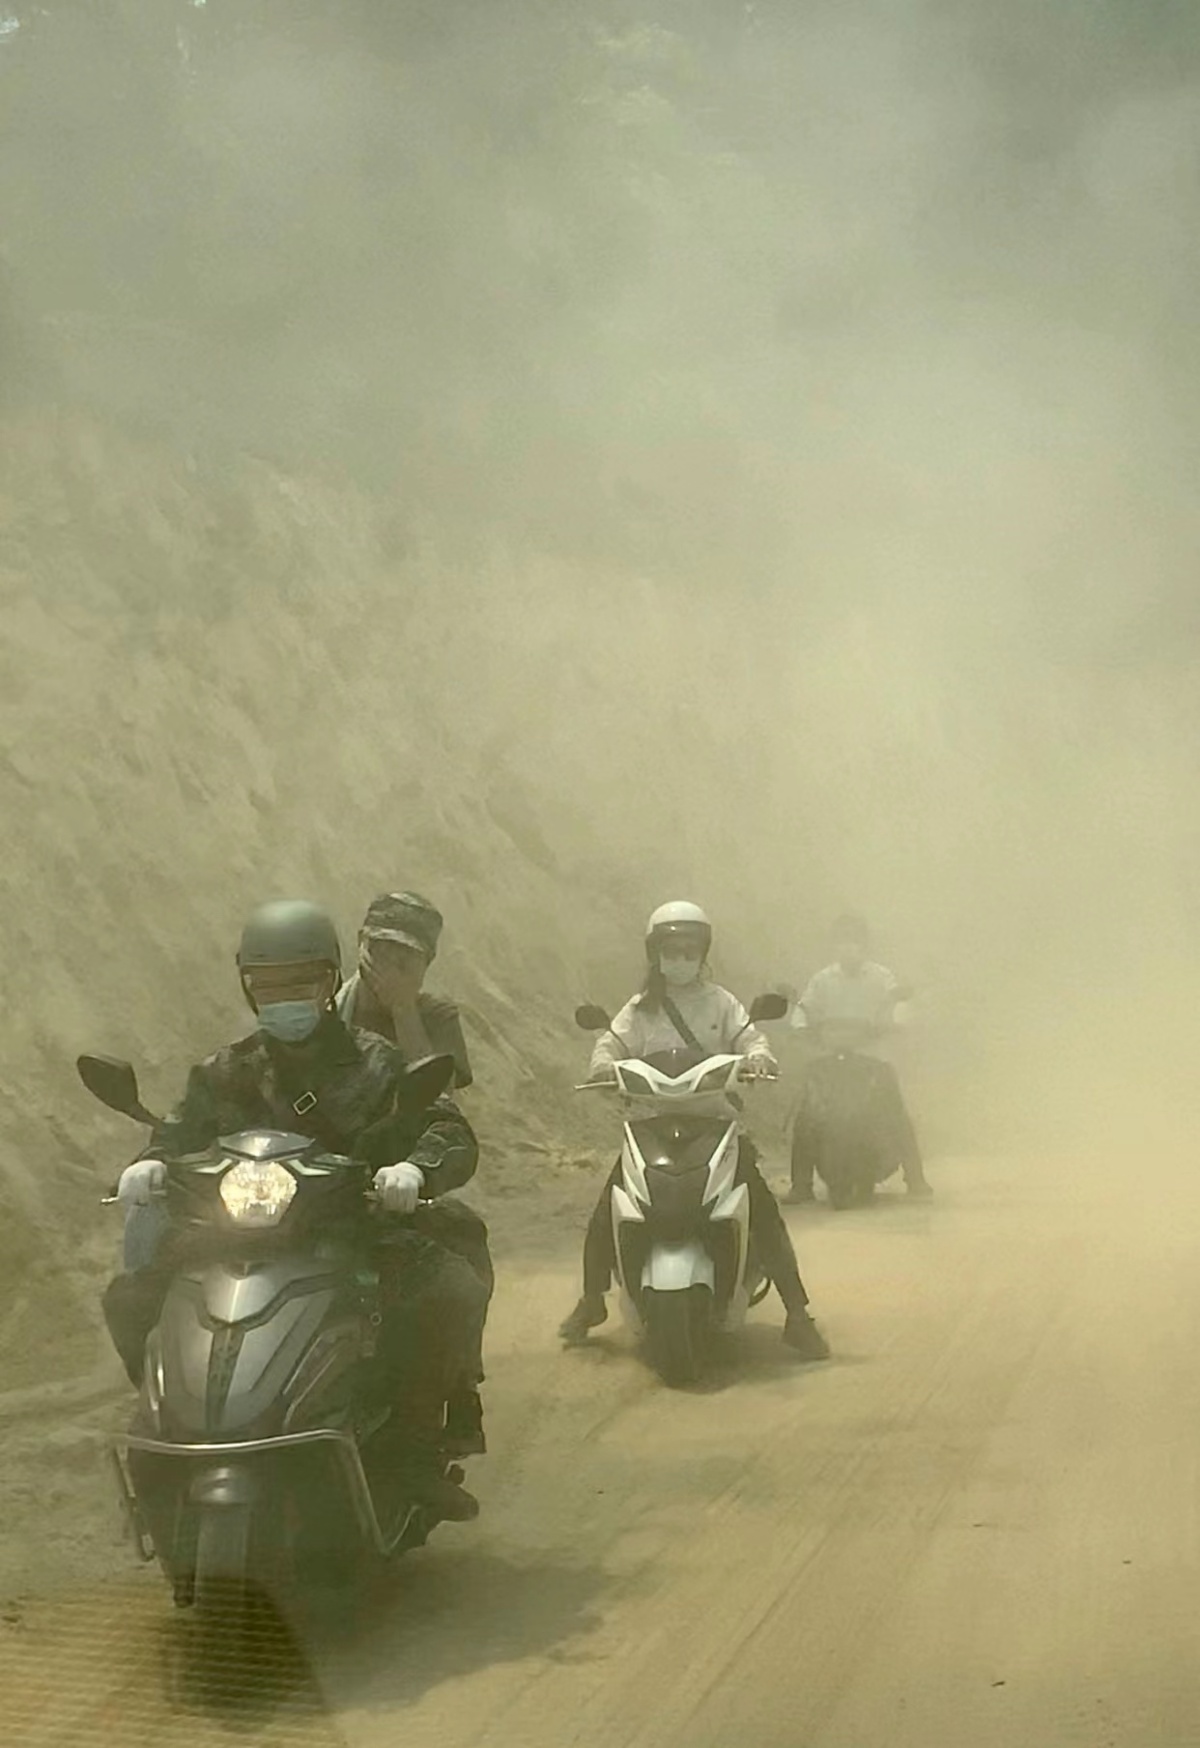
(977, 1528)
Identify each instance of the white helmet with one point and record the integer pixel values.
(678, 918)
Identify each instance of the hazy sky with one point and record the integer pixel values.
(810, 388)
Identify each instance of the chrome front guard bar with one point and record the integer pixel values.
(344, 1444)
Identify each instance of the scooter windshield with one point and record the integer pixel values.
(674, 1062)
(678, 1143)
(678, 1081)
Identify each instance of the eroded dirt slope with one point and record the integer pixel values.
(224, 687)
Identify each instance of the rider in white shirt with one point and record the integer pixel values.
(716, 1019)
(858, 992)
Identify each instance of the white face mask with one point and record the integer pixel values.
(678, 973)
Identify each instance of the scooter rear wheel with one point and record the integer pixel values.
(841, 1191)
(851, 1184)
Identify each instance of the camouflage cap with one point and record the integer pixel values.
(405, 917)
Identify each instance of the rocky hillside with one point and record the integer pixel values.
(216, 689)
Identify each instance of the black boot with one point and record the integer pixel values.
(444, 1499)
(802, 1334)
(405, 1461)
(589, 1314)
(421, 1476)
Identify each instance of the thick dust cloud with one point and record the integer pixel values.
(562, 456)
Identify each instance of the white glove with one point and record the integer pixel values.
(760, 1068)
(139, 1182)
(399, 1186)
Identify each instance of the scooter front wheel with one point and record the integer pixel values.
(224, 1602)
(678, 1333)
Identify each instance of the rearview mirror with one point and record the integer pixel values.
(114, 1083)
(425, 1081)
(590, 1018)
(768, 1007)
(420, 1084)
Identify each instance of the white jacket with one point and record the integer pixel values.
(866, 996)
(718, 1020)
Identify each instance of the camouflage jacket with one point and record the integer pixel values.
(334, 1088)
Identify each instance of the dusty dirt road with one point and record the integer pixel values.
(978, 1527)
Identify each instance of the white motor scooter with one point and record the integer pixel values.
(681, 1222)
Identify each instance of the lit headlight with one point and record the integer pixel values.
(257, 1193)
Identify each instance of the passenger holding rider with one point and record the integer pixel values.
(680, 1006)
(303, 1070)
(859, 996)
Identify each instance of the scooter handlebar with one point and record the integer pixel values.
(611, 1085)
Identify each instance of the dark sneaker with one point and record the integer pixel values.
(444, 1498)
(802, 1335)
(588, 1314)
(464, 1425)
(799, 1194)
(919, 1189)
(448, 1501)
(411, 1467)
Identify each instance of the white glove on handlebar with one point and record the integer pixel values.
(759, 1068)
(399, 1186)
(140, 1181)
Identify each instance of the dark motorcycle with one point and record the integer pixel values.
(843, 1130)
(258, 1461)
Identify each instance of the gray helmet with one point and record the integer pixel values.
(289, 931)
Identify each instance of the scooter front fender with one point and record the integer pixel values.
(675, 1268)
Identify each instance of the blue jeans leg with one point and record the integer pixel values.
(145, 1228)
